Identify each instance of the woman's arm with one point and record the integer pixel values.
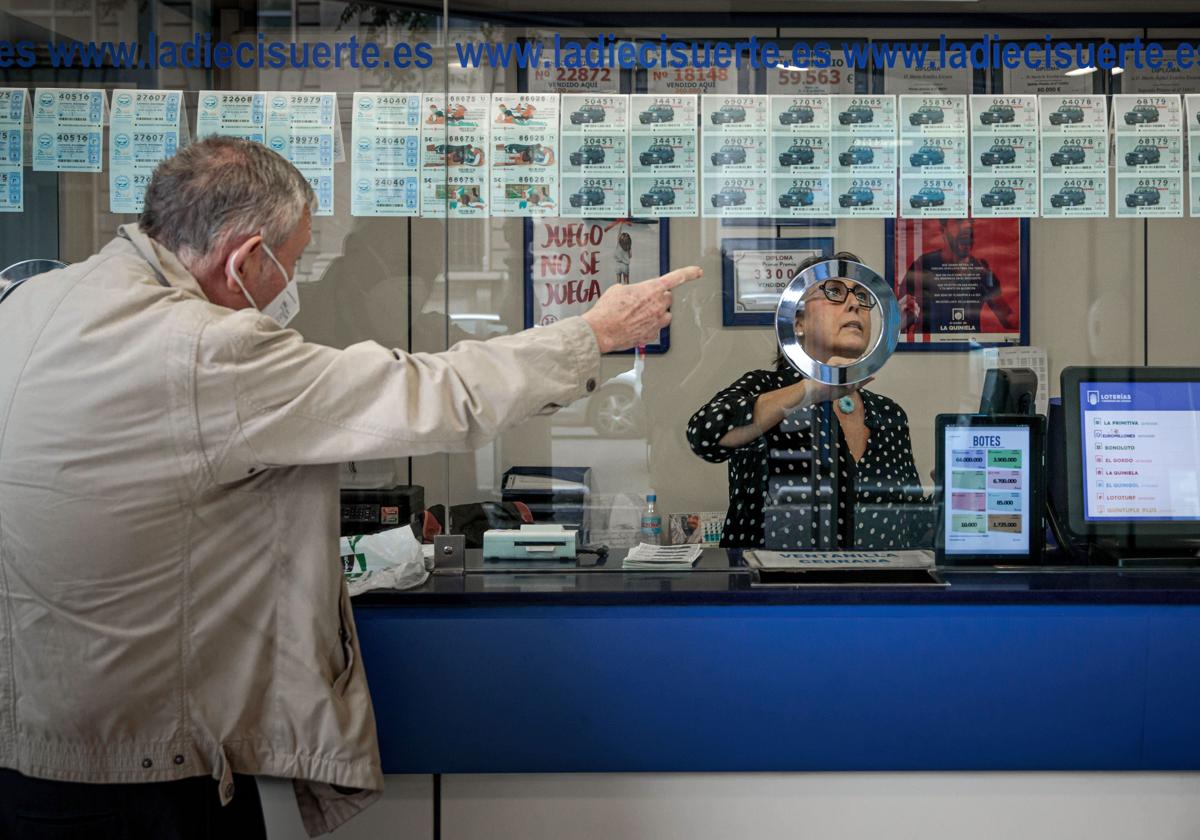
(743, 412)
(729, 409)
(771, 407)
(769, 410)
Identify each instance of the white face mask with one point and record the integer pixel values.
(284, 306)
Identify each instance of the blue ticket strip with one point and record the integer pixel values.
(455, 155)
(232, 113)
(1148, 140)
(594, 131)
(144, 129)
(524, 155)
(68, 127)
(933, 157)
(300, 126)
(1004, 155)
(385, 163)
(1074, 155)
(13, 104)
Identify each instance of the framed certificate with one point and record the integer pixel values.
(755, 271)
(1024, 79)
(1171, 76)
(928, 75)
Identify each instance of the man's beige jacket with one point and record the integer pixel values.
(171, 600)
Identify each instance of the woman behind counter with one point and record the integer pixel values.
(786, 437)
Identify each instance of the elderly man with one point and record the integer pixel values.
(172, 616)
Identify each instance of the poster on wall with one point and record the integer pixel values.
(569, 263)
(525, 154)
(961, 283)
(933, 156)
(1032, 78)
(801, 173)
(733, 155)
(144, 128)
(595, 162)
(455, 151)
(1073, 131)
(385, 164)
(808, 72)
(301, 127)
(1148, 132)
(1192, 117)
(1004, 155)
(754, 273)
(663, 154)
(13, 104)
(931, 77)
(863, 156)
(68, 125)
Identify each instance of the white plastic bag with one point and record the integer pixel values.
(391, 559)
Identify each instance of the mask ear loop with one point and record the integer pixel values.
(287, 279)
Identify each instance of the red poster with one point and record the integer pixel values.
(961, 283)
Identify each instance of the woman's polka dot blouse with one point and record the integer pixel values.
(778, 482)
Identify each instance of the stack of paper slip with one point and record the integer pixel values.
(544, 483)
(646, 556)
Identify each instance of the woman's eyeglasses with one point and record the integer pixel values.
(836, 291)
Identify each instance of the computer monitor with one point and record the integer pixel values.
(1133, 454)
(1009, 391)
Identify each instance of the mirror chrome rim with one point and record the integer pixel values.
(791, 302)
(15, 271)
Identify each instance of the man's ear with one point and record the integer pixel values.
(240, 262)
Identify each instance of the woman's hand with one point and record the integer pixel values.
(819, 392)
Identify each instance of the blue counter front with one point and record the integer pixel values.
(593, 671)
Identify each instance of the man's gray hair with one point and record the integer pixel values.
(218, 191)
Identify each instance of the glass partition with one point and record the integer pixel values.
(976, 293)
(539, 188)
(362, 278)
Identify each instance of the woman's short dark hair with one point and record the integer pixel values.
(780, 361)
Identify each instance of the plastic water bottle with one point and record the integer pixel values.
(651, 522)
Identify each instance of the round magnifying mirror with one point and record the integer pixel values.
(837, 322)
(25, 269)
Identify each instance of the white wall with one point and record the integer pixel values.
(821, 806)
(405, 811)
(925, 806)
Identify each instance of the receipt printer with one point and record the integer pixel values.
(530, 542)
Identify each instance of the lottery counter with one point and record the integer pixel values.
(586, 668)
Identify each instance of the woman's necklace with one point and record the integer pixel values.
(846, 404)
